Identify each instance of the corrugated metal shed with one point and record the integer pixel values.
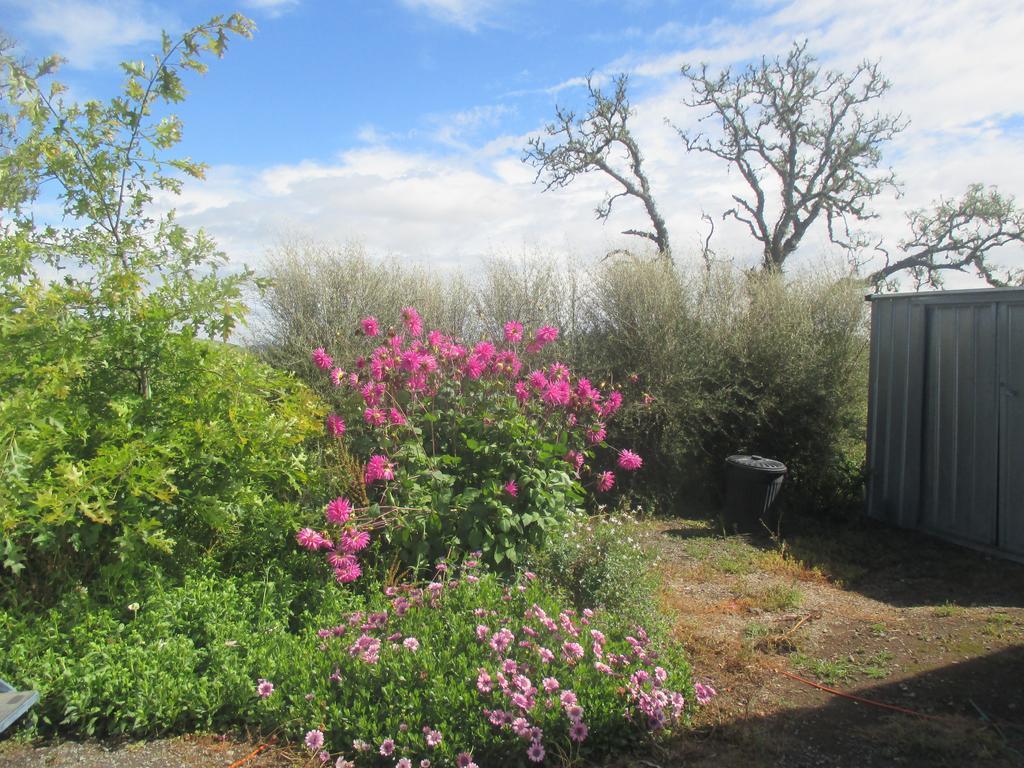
(946, 415)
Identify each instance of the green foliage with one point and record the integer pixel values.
(183, 657)
(736, 364)
(124, 434)
(597, 562)
(215, 460)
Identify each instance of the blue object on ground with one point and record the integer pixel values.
(14, 704)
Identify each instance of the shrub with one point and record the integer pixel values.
(744, 364)
(212, 462)
(463, 449)
(596, 561)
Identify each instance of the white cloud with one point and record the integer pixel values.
(90, 33)
(955, 74)
(467, 14)
(272, 8)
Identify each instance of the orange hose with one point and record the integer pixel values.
(253, 754)
(860, 699)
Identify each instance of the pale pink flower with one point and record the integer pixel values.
(484, 683)
(343, 763)
(704, 693)
(404, 762)
(578, 731)
(265, 688)
(314, 740)
(387, 747)
(568, 698)
(412, 644)
(321, 359)
(572, 652)
(535, 752)
(433, 738)
(545, 655)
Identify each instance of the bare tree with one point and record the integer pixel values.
(786, 123)
(600, 140)
(957, 235)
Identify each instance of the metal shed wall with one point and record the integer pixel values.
(946, 415)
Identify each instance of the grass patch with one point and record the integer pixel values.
(948, 610)
(878, 666)
(776, 597)
(828, 671)
(878, 629)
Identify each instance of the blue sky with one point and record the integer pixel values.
(399, 124)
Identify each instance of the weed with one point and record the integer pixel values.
(878, 629)
(777, 597)
(948, 610)
(878, 666)
(829, 671)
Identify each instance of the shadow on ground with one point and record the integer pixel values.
(972, 723)
(899, 567)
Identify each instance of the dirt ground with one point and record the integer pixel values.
(889, 616)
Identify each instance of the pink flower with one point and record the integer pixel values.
(322, 359)
(574, 712)
(311, 540)
(522, 392)
(545, 655)
(387, 747)
(538, 380)
(412, 644)
(412, 321)
(370, 326)
(545, 335)
(338, 511)
(513, 331)
(379, 468)
(572, 652)
(535, 752)
(511, 488)
(347, 570)
(630, 461)
(433, 738)
(578, 731)
(568, 699)
(704, 693)
(550, 685)
(596, 435)
(336, 376)
(602, 667)
(351, 542)
(396, 417)
(484, 684)
(343, 763)
(314, 740)
(611, 404)
(463, 760)
(605, 481)
(575, 458)
(404, 762)
(374, 417)
(265, 688)
(335, 425)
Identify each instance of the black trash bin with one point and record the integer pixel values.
(751, 485)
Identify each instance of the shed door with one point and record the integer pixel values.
(1011, 428)
(960, 468)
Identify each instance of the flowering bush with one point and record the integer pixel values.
(474, 447)
(469, 669)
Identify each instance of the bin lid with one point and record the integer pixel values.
(758, 463)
